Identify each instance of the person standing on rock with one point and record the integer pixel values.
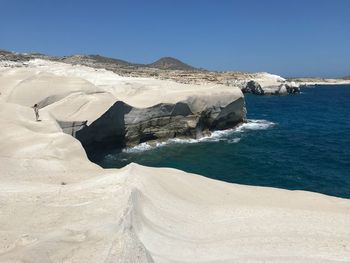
(36, 111)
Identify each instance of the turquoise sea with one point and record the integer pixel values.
(293, 142)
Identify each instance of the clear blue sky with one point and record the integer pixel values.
(291, 37)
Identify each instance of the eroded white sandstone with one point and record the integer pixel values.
(56, 206)
(151, 108)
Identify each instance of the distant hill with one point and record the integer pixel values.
(97, 61)
(347, 77)
(170, 64)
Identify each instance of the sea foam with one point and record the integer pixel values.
(216, 136)
(255, 125)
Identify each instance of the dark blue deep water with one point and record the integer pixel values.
(292, 142)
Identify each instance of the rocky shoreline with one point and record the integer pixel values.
(103, 109)
(57, 206)
(120, 121)
(173, 69)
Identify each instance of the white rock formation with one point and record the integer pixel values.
(56, 206)
(148, 108)
(269, 84)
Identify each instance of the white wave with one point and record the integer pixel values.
(255, 125)
(139, 148)
(216, 136)
(183, 141)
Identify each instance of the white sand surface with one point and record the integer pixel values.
(56, 206)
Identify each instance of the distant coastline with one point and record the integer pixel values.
(164, 68)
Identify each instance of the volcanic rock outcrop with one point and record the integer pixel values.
(123, 124)
(103, 109)
(269, 84)
(253, 87)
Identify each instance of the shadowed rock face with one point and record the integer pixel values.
(107, 131)
(253, 87)
(123, 125)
